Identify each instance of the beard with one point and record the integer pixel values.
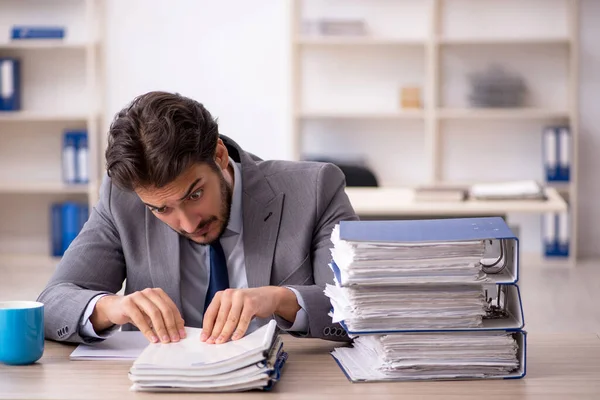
(225, 211)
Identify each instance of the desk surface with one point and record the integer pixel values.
(373, 202)
(560, 366)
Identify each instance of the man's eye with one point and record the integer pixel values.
(160, 210)
(196, 195)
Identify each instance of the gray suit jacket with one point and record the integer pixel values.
(289, 210)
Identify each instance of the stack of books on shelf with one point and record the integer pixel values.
(428, 299)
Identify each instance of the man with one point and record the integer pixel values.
(203, 233)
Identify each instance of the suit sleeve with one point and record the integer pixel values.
(93, 264)
(332, 206)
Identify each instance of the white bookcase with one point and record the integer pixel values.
(60, 89)
(346, 91)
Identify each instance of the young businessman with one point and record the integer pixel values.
(203, 233)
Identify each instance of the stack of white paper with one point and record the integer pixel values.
(389, 308)
(447, 355)
(369, 263)
(253, 362)
(517, 190)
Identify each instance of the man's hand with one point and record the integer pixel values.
(231, 311)
(150, 310)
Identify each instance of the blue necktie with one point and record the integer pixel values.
(219, 278)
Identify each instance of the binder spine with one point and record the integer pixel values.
(549, 227)
(550, 152)
(82, 157)
(10, 84)
(69, 158)
(564, 229)
(556, 234)
(564, 159)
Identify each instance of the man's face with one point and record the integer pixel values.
(197, 204)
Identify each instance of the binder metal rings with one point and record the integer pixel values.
(494, 267)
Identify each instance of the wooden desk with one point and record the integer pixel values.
(559, 366)
(386, 202)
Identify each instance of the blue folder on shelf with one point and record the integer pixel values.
(564, 154)
(557, 153)
(556, 234)
(502, 245)
(37, 32)
(10, 84)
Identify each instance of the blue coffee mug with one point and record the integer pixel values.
(21, 332)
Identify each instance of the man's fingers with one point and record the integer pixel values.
(208, 321)
(226, 299)
(151, 310)
(166, 311)
(179, 322)
(232, 318)
(139, 319)
(246, 316)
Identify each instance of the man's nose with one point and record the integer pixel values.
(188, 223)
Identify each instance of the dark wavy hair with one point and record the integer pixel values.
(156, 137)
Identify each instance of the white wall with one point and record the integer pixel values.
(233, 56)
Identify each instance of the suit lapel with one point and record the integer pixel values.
(261, 227)
(261, 213)
(163, 251)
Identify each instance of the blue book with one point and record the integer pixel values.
(70, 223)
(10, 84)
(494, 230)
(56, 230)
(37, 32)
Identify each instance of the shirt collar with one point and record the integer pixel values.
(235, 217)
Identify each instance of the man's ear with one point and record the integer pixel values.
(222, 155)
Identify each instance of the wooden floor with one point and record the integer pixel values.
(555, 298)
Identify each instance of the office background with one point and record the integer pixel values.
(273, 86)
